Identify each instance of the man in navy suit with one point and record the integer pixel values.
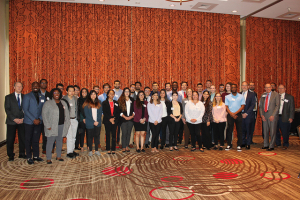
(247, 114)
(32, 106)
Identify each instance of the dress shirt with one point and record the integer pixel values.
(281, 103)
(20, 96)
(155, 112)
(117, 94)
(212, 95)
(193, 111)
(128, 102)
(245, 95)
(102, 97)
(269, 97)
(164, 108)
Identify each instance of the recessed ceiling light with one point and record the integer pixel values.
(101, 0)
(172, 5)
(223, 0)
(234, 11)
(299, 18)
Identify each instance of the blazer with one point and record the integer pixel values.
(107, 114)
(273, 105)
(80, 110)
(288, 110)
(250, 104)
(12, 108)
(184, 102)
(138, 112)
(170, 106)
(50, 113)
(125, 112)
(89, 121)
(31, 109)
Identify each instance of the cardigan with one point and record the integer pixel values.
(138, 112)
(89, 121)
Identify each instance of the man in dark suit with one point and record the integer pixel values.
(43, 91)
(247, 114)
(252, 126)
(32, 105)
(14, 121)
(268, 109)
(286, 116)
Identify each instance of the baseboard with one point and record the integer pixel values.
(3, 143)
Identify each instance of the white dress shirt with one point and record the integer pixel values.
(164, 108)
(281, 103)
(20, 96)
(128, 102)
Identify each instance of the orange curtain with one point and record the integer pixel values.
(173, 45)
(273, 55)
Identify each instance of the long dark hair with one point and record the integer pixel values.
(108, 93)
(206, 103)
(87, 93)
(90, 103)
(122, 99)
(138, 101)
(158, 100)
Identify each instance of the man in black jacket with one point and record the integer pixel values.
(14, 121)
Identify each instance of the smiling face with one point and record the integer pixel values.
(221, 88)
(111, 95)
(126, 92)
(56, 95)
(174, 97)
(93, 96)
(35, 87)
(244, 86)
(77, 90)
(268, 88)
(117, 85)
(218, 97)
(18, 87)
(141, 96)
(205, 95)
(155, 97)
(189, 92)
(195, 96)
(168, 87)
(199, 88)
(84, 93)
(213, 89)
(147, 92)
(71, 92)
(183, 86)
(162, 94)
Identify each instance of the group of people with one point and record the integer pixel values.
(205, 116)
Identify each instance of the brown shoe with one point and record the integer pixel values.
(284, 148)
(99, 145)
(131, 146)
(52, 150)
(44, 152)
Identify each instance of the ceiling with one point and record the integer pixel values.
(286, 9)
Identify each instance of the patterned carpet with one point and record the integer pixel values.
(250, 174)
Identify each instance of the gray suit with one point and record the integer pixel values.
(273, 109)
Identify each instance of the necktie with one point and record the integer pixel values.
(266, 103)
(184, 95)
(19, 102)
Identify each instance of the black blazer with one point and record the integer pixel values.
(107, 114)
(170, 106)
(288, 110)
(125, 112)
(12, 108)
(250, 104)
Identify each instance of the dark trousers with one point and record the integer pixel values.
(110, 130)
(174, 130)
(180, 132)
(194, 130)
(80, 135)
(11, 136)
(155, 129)
(32, 137)
(44, 138)
(126, 133)
(246, 128)
(94, 134)
(285, 131)
(206, 136)
(238, 123)
(164, 124)
(118, 133)
(218, 129)
(252, 127)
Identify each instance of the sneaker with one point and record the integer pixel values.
(98, 153)
(75, 153)
(90, 153)
(228, 148)
(239, 148)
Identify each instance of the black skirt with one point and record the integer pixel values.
(140, 127)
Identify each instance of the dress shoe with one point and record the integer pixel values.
(138, 150)
(30, 161)
(167, 145)
(284, 148)
(52, 150)
(99, 145)
(38, 159)
(270, 149)
(243, 145)
(130, 146)
(59, 159)
(49, 162)
(265, 148)
(253, 143)
(146, 146)
(44, 152)
(11, 159)
(143, 150)
(70, 155)
(161, 147)
(78, 148)
(75, 154)
(23, 156)
(248, 147)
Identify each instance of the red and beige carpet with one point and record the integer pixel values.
(250, 174)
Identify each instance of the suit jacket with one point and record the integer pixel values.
(47, 95)
(138, 112)
(12, 108)
(107, 114)
(250, 104)
(50, 113)
(273, 105)
(288, 110)
(89, 121)
(125, 112)
(170, 106)
(32, 110)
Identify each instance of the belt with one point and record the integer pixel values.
(72, 117)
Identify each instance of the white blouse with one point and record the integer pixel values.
(193, 111)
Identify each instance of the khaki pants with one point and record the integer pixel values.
(102, 134)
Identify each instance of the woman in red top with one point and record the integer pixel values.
(227, 91)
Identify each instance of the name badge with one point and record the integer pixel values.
(144, 105)
(185, 101)
(263, 96)
(71, 104)
(286, 100)
(116, 104)
(172, 108)
(171, 98)
(48, 98)
(116, 95)
(218, 106)
(233, 99)
(130, 101)
(42, 100)
(64, 107)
